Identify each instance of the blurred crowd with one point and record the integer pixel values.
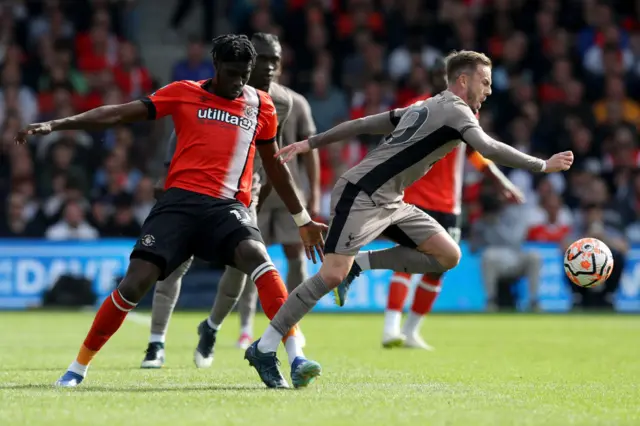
(566, 76)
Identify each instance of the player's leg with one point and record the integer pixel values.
(355, 223)
(286, 233)
(160, 250)
(232, 234)
(247, 311)
(424, 247)
(165, 297)
(229, 288)
(398, 291)
(427, 289)
(251, 255)
(531, 265)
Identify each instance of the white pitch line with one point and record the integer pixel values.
(142, 319)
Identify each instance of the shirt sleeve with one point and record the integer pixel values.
(477, 160)
(462, 118)
(163, 101)
(269, 127)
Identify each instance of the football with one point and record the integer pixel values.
(588, 262)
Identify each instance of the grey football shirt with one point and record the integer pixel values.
(299, 126)
(424, 133)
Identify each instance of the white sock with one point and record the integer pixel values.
(392, 322)
(293, 348)
(78, 368)
(270, 340)
(362, 259)
(212, 325)
(412, 324)
(247, 329)
(156, 338)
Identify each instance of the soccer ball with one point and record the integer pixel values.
(588, 262)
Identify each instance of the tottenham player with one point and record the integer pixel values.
(367, 199)
(439, 194)
(203, 212)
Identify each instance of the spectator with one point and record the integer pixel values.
(196, 66)
(16, 224)
(328, 103)
(551, 222)
(15, 97)
(133, 79)
(144, 199)
(595, 224)
(123, 222)
(500, 233)
(72, 226)
(616, 94)
(61, 161)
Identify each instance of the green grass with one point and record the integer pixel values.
(487, 370)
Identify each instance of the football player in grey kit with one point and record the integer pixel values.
(367, 199)
(233, 283)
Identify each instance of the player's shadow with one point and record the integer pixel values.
(137, 389)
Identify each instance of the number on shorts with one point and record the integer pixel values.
(242, 216)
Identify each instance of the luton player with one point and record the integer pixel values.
(367, 199)
(203, 212)
(439, 194)
(233, 281)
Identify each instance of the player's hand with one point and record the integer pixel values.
(32, 129)
(313, 240)
(559, 162)
(288, 152)
(513, 194)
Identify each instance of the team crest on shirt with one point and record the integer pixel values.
(251, 112)
(148, 240)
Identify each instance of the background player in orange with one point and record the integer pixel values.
(439, 194)
(203, 212)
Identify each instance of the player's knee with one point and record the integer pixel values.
(249, 254)
(333, 274)
(140, 277)
(450, 257)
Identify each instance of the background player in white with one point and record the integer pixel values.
(367, 200)
(276, 225)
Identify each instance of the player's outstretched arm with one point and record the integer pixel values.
(489, 169)
(282, 181)
(378, 124)
(508, 156)
(95, 119)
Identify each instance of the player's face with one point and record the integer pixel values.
(267, 65)
(479, 87)
(231, 77)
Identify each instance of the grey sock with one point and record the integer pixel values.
(229, 289)
(299, 303)
(297, 272)
(165, 297)
(404, 259)
(247, 304)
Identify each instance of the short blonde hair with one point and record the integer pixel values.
(458, 62)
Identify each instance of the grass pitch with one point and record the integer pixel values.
(488, 370)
